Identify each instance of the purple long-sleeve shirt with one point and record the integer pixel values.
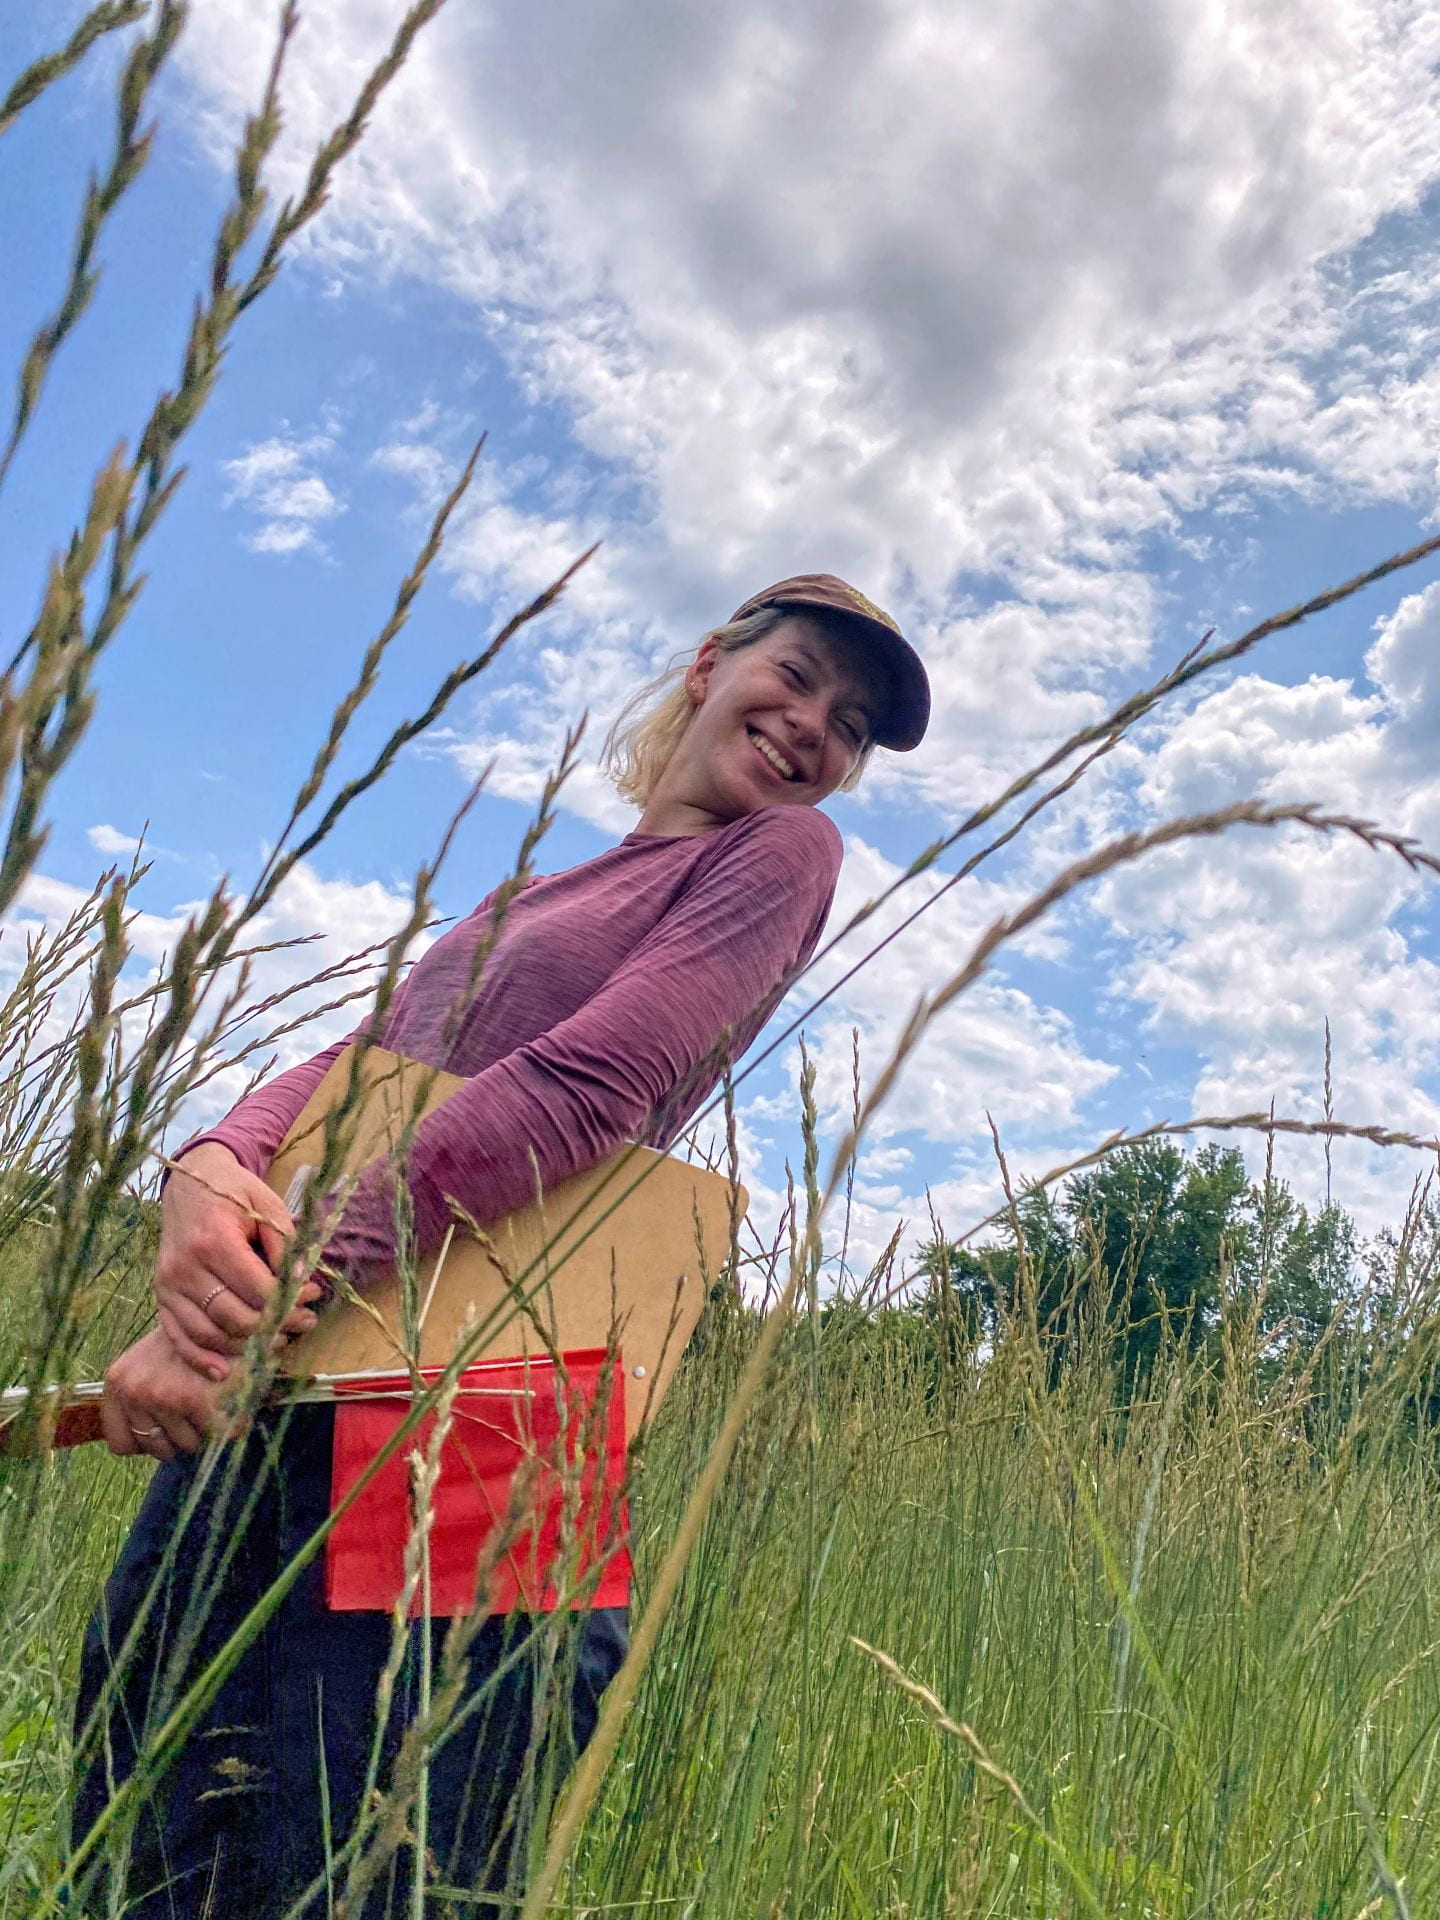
(612, 1000)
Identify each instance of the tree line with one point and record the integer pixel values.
(1153, 1246)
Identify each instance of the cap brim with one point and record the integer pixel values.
(903, 726)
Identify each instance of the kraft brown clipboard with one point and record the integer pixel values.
(639, 1276)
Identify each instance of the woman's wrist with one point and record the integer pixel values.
(204, 1151)
(201, 1159)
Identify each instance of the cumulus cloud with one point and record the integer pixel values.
(1242, 953)
(1031, 287)
(710, 271)
(1404, 663)
(997, 1051)
(276, 482)
(106, 839)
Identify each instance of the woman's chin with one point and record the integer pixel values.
(755, 796)
(739, 788)
(756, 788)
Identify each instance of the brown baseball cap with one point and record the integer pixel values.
(903, 722)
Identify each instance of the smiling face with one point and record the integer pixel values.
(781, 721)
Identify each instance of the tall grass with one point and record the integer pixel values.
(922, 1630)
(955, 1640)
(988, 1648)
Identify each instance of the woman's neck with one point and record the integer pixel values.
(669, 818)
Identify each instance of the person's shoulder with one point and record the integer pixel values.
(802, 836)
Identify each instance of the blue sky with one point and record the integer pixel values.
(1064, 337)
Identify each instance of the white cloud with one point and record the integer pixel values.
(107, 839)
(996, 1050)
(1031, 284)
(1404, 663)
(283, 536)
(275, 481)
(1241, 951)
(424, 467)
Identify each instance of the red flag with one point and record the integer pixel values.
(529, 1410)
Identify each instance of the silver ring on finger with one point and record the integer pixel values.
(213, 1294)
(146, 1433)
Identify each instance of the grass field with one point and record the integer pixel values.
(1159, 1664)
(958, 1641)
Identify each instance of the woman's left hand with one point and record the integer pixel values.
(157, 1403)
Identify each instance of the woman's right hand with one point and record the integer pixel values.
(156, 1404)
(211, 1284)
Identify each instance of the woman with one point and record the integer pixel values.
(610, 1003)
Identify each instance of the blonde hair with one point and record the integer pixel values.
(649, 726)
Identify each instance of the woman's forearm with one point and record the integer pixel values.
(254, 1128)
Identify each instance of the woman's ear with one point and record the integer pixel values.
(697, 674)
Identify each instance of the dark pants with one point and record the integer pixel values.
(238, 1822)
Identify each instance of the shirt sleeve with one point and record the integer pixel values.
(563, 1102)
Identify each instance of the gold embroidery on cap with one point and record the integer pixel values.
(869, 607)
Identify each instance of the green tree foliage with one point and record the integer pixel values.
(1150, 1243)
